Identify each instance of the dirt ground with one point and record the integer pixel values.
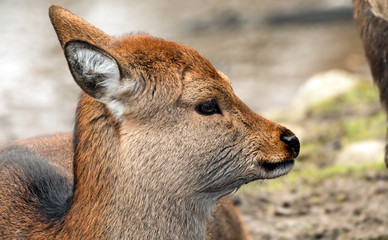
(327, 195)
(339, 208)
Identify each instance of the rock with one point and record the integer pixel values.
(321, 87)
(368, 151)
(282, 211)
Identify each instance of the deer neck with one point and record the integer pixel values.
(114, 201)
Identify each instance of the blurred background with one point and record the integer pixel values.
(267, 48)
(297, 62)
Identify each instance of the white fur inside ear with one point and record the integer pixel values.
(98, 64)
(95, 63)
(97, 73)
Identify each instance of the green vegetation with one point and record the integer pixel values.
(356, 115)
(331, 125)
(362, 128)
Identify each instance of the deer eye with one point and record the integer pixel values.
(208, 108)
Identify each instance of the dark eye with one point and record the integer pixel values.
(208, 108)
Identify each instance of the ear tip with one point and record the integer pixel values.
(69, 26)
(54, 11)
(53, 7)
(56, 14)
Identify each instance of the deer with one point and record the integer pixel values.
(159, 142)
(371, 18)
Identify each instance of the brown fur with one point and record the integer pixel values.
(146, 163)
(373, 31)
(225, 222)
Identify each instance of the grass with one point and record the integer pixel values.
(353, 116)
(356, 115)
(361, 128)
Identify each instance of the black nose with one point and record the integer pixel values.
(292, 141)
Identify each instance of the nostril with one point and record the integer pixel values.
(292, 141)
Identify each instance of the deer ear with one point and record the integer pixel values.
(94, 70)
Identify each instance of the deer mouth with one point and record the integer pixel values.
(269, 170)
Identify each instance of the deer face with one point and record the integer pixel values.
(182, 113)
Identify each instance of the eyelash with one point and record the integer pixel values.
(208, 108)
